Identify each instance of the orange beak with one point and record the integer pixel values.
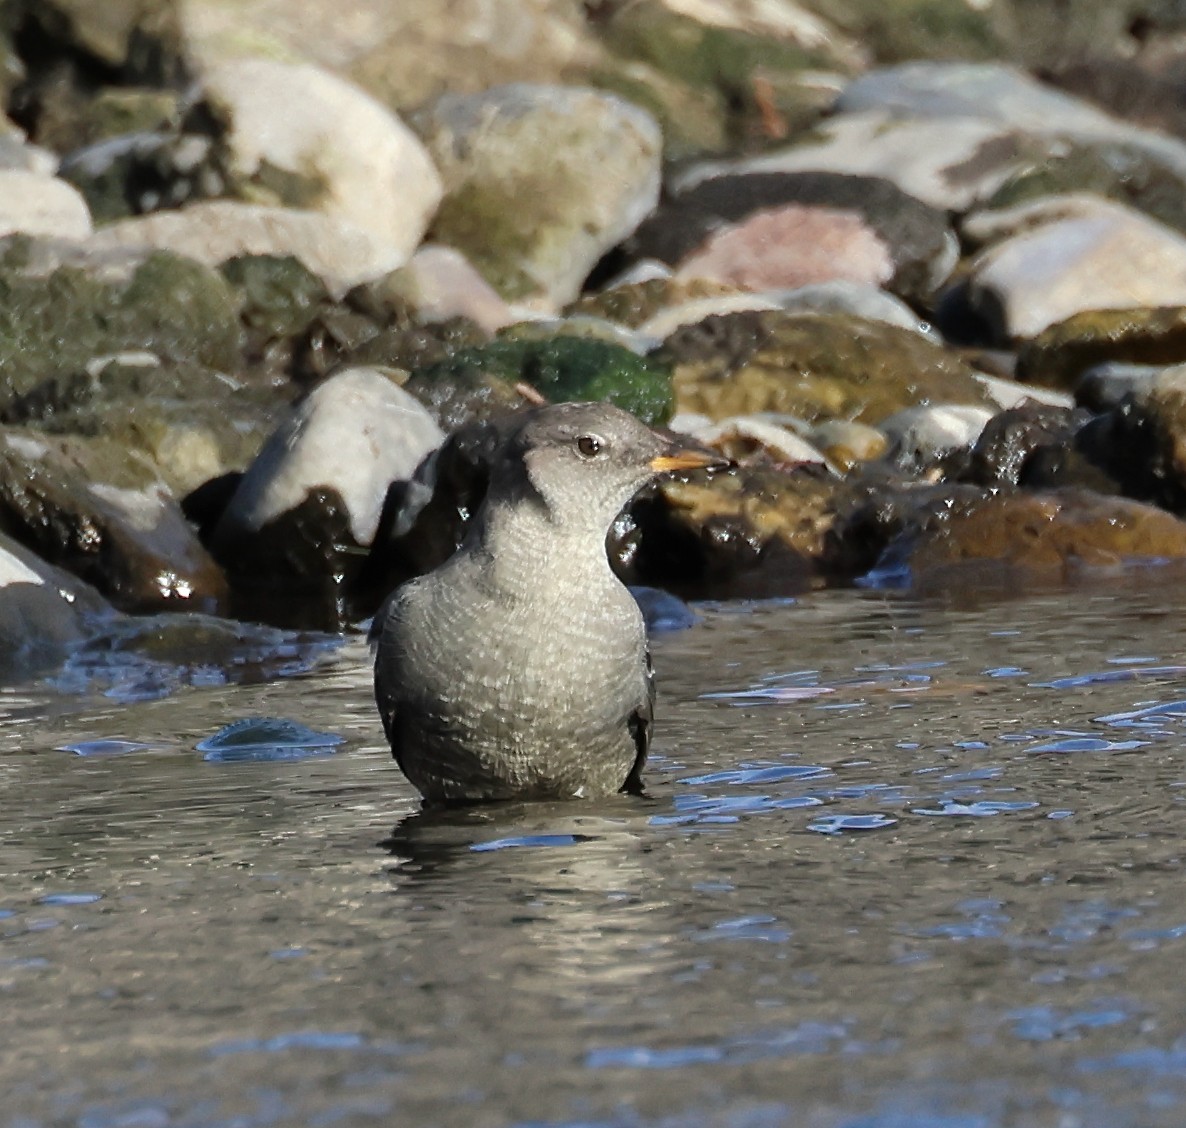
(688, 458)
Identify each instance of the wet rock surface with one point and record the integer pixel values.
(888, 285)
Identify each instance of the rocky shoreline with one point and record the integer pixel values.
(272, 277)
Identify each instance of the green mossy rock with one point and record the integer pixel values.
(565, 368)
(170, 306)
(813, 366)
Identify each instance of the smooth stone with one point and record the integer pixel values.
(928, 434)
(403, 54)
(812, 366)
(635, 302)
(340, 151)
(663, 612)
(355, 434)
(1011, 393)
(497, 150)
(791, 246)
(32, 203)
(846, 444)
(740, 437)
(960, 534)
(774, 230)
(999, 93)
(1058, 356)
(661, 325)
(867, 302)
(440, 283)
(213, 231)
(1114, 258)
(952, 168)
(44, 611)
(130, 543)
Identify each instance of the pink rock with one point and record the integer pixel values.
(795, 245)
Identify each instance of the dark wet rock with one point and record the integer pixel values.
(559, 369)
(267, 740)
(663, 612)
(1105, 386)
(1014, 438)
(1060, 355)
(295, 135)
(903, 243)
(1101, 256)
(758, 530)
(1141, 444)
(44, 612)
(497, 149)
(812, 366)
(57, 323)
(956, 533)
(295, 532)
(128, 541)
(122, 176)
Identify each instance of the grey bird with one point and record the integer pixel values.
(520, 668)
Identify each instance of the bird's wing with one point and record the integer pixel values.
(640, 723)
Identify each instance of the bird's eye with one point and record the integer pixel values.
(590, 446)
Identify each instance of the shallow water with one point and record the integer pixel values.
(904, 864)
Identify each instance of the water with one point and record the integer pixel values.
(904, 865)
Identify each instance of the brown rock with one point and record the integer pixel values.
(814, 366)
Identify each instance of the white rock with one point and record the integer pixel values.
(213, 231)
(442, 283)
(1009, 393)
(373, 171)
(1108, 257)
(661, 324)
(926, 433)
(355, 433)
(34, 204)
(777, 441)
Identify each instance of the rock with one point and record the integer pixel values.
(123, 176)
(55, 321)
(44, 612)
(1113, 259)
(1014, 438)
(782, 230)
(812, 366)
(755, 531)
(1007, 393)
(658, 328)
(559, 369)
(934, 435)
(950, 169)
(314, 495)
(497, 149)
(1141, 444)
(1112, 169)
(751, 58)
(743, 437)
(403, 54)
(1105, 386)
(299, 136)
(132, 544)
(211, 232)
(647, 294)
(846, 444)
(1058, 356)
(32, 203)
(439, 283)
(866, 302)
(1052, 535)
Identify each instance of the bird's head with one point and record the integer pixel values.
(585, 461)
